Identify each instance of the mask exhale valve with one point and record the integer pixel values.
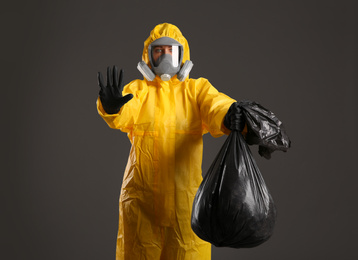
(165, 77)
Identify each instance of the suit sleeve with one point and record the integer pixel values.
(213, 108)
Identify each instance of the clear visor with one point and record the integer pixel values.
(159, 51)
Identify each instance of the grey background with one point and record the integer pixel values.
(62, 166)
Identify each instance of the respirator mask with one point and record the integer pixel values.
(165, 56)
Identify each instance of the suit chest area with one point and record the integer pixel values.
(170, 107)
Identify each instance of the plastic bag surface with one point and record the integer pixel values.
(264, 129)
(233, 207)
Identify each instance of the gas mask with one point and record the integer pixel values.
(165, 56)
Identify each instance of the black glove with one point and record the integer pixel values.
(234, 118)
(111, 95)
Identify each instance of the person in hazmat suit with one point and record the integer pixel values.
(165, 116)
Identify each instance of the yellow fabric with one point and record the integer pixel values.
(165, 122)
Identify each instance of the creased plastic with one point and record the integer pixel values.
(233, 207)
(264, 129)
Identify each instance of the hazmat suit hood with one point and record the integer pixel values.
(166, 30)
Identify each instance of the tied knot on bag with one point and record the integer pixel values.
(234, 119)
(235, 122)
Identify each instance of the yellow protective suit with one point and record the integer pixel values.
(165, 121)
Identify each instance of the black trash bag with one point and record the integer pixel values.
(233, 207)
(264, 129)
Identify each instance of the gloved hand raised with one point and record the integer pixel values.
(111, 94)
(234, 118)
